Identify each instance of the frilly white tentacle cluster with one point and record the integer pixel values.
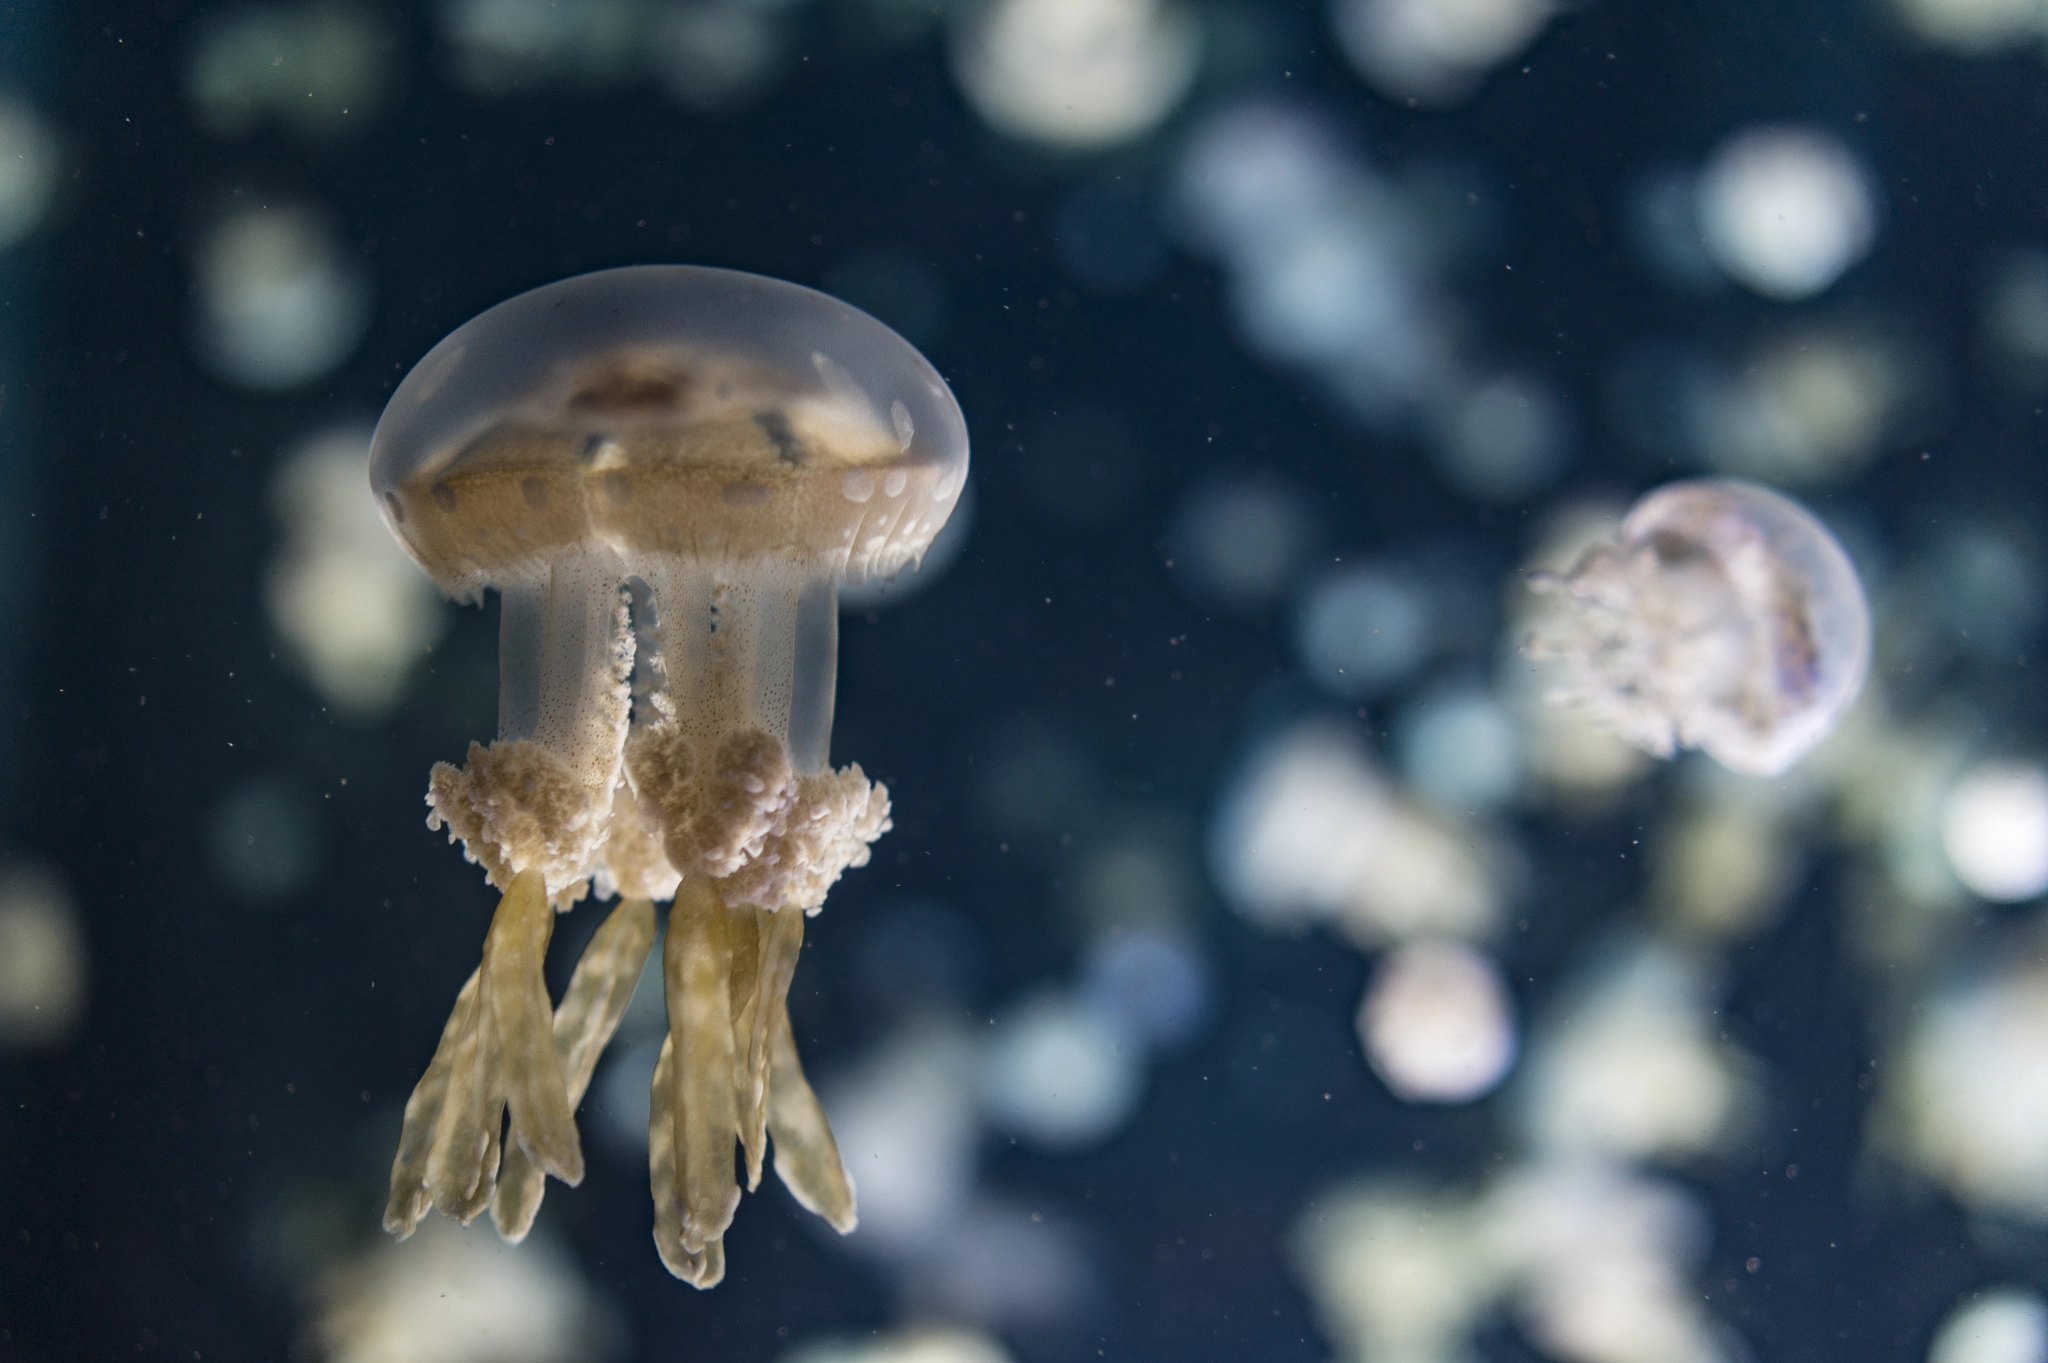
(516, 806)
(768, 838)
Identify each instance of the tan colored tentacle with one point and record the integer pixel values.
(782, 940)
(584, 1023)
(806, 1157)
(518, 1013)
(423, 1115)
(697, 973)
(700, 1268)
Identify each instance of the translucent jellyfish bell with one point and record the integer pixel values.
(666, 472)
(1722, 617)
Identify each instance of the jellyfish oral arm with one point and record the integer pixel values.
(448, 1154)
(496, 1056)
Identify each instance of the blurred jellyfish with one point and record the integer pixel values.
(1330, 265)
(1004, 1265)
(1144, 972)
(1434, 51)
(1723, 617)
(1975, 28)
(907, 1129)
(1503, 439)
(715, 55)
(1987, 586)
(1995, 1325)
(1075, 74)
(1595, 1260)
(317, 68)
(1969, 1093)
(280, 303)
(1809, 406)
(1661, 218)
(1460, 748)
(1248, 174)
(1311, 832)
(912, 1346)
(1396, 1273)
(1296, 831)
(1437, 1023)
(2016, 313)
(1889, 782)
(42, 959)
(353, 610)
(1056, 1075)
(1568, 757)
(1433, 873)
(266, 839)
(454, 1295)
(1152, 989)
(1135, 880)
(1362, 631)
(1785, 210)
(1629, 1065)
(1994, 828)
(28, 170)
(1238, 540)
(1599, 1260)
(504, 46)
(1723, 863)
(1335, 294)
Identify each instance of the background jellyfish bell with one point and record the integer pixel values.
(1722, 616)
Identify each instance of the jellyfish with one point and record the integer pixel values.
(1722, 617)
(666, 472)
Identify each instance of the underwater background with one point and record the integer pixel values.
(1289, 336)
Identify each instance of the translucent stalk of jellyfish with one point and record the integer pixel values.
(1722, 616)
(725, 450)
